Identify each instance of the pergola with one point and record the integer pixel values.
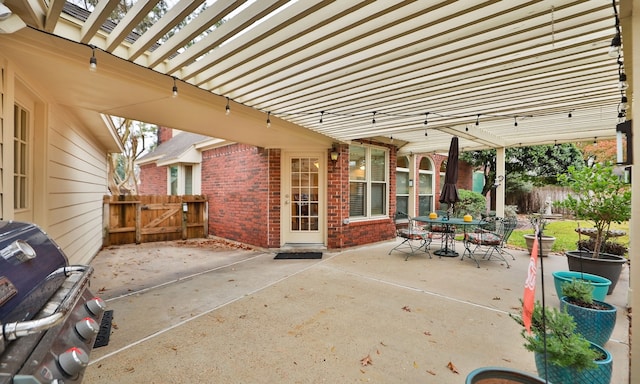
(496, 74)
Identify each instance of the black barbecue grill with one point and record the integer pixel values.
(49, 318)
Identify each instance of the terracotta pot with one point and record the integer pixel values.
(546, 243)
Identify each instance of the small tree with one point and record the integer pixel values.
(598, 195)
(122, 176)
(555, 335)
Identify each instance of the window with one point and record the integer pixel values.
(21, 155)
(368, 191)
(443, 169)
(402, 185)
(181, 180)
(425, 187)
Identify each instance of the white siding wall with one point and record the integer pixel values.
(76, 183)
(69, 176)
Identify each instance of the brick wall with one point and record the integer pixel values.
(153, 180)
(164, 134)
(236, 179)
(342, 235)
(243, 186)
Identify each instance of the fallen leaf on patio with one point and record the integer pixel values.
(129, 369)
(452, 368)
(377, 351)
(507, 360)
(383, 344)
(415, 365)
(431, 372)
(366, 361)
(496, 298)
(102, 289)
(363, 371)
(406, 308)
(427, 333)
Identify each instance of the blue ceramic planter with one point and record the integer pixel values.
(601, 284)
(599, 375)
(505, 375)
(596, 325)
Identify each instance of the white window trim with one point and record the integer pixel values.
(195, 175)
(368, 182)
(431, 172)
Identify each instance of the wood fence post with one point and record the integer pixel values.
(138, 222)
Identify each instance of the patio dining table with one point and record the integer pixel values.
(449, 233)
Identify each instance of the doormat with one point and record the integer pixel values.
(299, 255)
(105, 330)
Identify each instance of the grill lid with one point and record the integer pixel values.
(28, 261)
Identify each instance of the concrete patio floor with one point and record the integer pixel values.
(194, 312)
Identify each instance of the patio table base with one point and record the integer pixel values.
(447, 253)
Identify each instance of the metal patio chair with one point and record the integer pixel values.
(414, 237)
(493, 241)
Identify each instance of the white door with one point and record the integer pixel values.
(303, 208)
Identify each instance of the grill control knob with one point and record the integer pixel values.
(96, 306)
(73, 361)
(87, 328)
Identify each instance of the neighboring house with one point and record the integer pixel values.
(53, 163)
(276, 199)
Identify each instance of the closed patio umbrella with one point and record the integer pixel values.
(449, 193)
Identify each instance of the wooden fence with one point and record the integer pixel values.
(142, 219)
(534, 201)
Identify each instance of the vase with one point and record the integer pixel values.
(546, 243)
(606, 265)
(596, 325)
(599, 283)
(500, 375)
(601, 374)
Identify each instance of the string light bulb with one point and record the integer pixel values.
(174, 92)
(269, 119)
(624, 104)
(227, 109)
(426, 116)
(93, 61)
(321, 115)
(515, 121)
(623, 86)
(478, 120)
(373, 120)
(616, 44)
(570, 115)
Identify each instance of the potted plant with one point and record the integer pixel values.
(561, 354)
(501, 375)
(600, 196)
(546, 241)
(599, 284)
(594, 319)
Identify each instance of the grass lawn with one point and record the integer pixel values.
(565, 234)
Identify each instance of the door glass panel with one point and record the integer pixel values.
(304, 194)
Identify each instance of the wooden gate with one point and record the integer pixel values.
(148, 218)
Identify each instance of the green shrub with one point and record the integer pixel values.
(472, 203)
